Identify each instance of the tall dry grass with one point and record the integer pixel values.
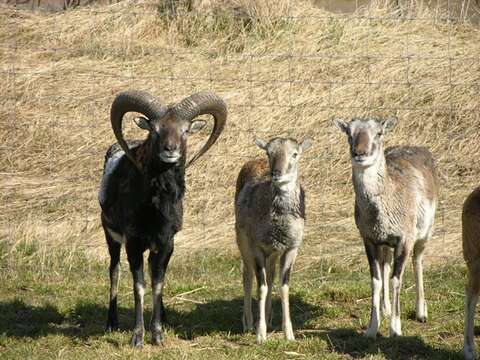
(284, 68)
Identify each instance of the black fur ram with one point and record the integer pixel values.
(142, 191)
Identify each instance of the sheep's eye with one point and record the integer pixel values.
(379, 134)
(294, 155)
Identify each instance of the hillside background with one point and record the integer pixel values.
(284, 70)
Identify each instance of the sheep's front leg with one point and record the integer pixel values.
(261, 275)
(401, 255)
(286, 264)
(158, 263)
(135, 260)
(376, 284)
(471, 298)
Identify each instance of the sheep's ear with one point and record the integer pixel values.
(342, 125)
(262, 144)
(196, 126)
(306, 144)
(143, 123)
(389, 124)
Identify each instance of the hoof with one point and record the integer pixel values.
(370, 334)
(395, 333)
(137, 340)
(289, 336)
(261, 339)
(247, 326)
(261, 333)
(111, 328)
(421, 319)
(469, 353)
(157, 337)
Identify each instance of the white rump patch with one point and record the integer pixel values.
(110, 167)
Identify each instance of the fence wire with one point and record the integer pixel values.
(51, 179)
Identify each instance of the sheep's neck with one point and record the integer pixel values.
(286, 198)
(372, 181)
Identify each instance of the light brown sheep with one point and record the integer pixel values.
(471, 254)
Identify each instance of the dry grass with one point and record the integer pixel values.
(283, 70)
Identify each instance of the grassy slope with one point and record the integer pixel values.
(54, 306)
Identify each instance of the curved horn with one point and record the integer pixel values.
(132, 100)
(199, 104)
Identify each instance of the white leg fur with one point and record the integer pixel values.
(420, 305)
(262, 324)
(286, 265)
(395, 323)
(469, 343)
(286, 321)
(374, 325)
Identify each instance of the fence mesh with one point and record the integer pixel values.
(285, 68)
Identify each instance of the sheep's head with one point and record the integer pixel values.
(168, 126)
(365, 137)
(283, 157)
(168, 136)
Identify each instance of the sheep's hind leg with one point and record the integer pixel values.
(421, 313)
(386, 263)
(114, 249)
(247, 318)
(401, 254)
(271, 261)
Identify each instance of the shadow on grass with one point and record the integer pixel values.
(350, 342)
(18, 319)
(226, 316)
(85, 320)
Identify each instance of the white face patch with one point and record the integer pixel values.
(110, 167)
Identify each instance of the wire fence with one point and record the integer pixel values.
(284, 69)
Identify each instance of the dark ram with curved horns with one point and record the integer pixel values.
(142, 190)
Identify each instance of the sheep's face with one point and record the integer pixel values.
(168, 136)
(365, 137)
(283, 156)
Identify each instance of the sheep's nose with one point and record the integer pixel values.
(359, 152)
(170, 147)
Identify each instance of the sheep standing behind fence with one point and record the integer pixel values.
(396, 193)
(270, 215)
(142, 192)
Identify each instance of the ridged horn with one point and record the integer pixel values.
(199, 104)
(133, 100)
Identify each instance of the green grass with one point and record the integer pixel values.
(53, 305)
